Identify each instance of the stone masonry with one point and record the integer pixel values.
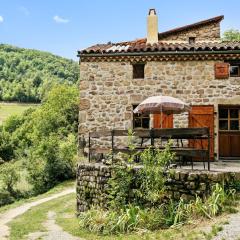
(92, 184)
(108, 91)
(210, 32)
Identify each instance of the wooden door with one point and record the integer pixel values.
(229, 131)
(202, 116)
(167, 120)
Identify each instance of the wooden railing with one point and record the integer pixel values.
(196, 134)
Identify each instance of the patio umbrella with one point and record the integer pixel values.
(160, 104)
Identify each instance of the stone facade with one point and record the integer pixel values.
(108, 91)
(92, 184)
(210, 32)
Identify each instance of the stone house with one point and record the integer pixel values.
(191, 63)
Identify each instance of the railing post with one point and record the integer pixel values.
(209, 149)
(112, 134)
(152, 136)
(89, 147)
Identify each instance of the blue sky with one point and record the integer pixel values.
(64, 26)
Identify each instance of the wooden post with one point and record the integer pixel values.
(112, 134)
(208, 149)
(89, 147)
(152, 137)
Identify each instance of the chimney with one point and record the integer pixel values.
(152, 27)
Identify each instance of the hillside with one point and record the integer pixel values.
(25, 74)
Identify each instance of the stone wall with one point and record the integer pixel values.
(92, 184)
(206, 33)
(108, 91)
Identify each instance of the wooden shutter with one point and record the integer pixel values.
(221, 70)
(167, 121)
(202, 116)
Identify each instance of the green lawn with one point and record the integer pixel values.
(8, 109)
(59, 188)
(65, 208)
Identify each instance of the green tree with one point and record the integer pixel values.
(231, 35)
(25, 74)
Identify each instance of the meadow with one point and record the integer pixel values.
(8, 109)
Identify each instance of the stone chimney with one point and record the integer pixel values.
(152, 27)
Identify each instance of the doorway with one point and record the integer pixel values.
(229, 131)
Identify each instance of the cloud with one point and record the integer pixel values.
(24, 10)
(1, 19)
(58, 19)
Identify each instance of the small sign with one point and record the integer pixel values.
(222, 70)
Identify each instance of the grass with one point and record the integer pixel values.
(57, 189)
(8, 109)
(32, 221)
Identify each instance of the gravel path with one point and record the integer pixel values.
(13, 213)
(53, 231)
(230, 231)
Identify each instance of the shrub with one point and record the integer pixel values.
(9, 177)
(132, 217)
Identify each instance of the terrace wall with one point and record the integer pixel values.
(92, 184)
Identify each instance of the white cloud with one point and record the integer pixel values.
(58, 19)
(24, 10)
(1, 19)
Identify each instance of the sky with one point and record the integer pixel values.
(64, 26)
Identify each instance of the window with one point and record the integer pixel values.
(141, 120)
(192, 40)
(229, 119)
(138, 70)
(235, 69)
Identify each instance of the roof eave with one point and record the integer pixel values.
(157, 53)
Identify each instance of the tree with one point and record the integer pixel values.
(25, 74)
(231, 35)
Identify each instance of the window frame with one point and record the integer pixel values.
(229, 119)
(234, 64)
(192, 40)
(141, 117)
(134, 74)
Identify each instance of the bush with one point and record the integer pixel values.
(9, 177)
(6, 198)
(145, 186)
(139, 199)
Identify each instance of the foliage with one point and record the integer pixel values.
(139, 200)
(45, 138)
(231, 35)
(9, 177)
(144, 186)
(26, 75)
(133, 218)
(151, 178)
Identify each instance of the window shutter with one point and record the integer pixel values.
(221, 70)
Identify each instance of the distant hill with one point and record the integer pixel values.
(26, 75)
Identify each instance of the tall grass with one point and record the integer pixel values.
(133, 218)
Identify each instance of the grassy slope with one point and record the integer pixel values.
(57, 189)
(8, 109)
(66, 218)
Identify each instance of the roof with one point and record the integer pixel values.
(141, 45)
(191, 26)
